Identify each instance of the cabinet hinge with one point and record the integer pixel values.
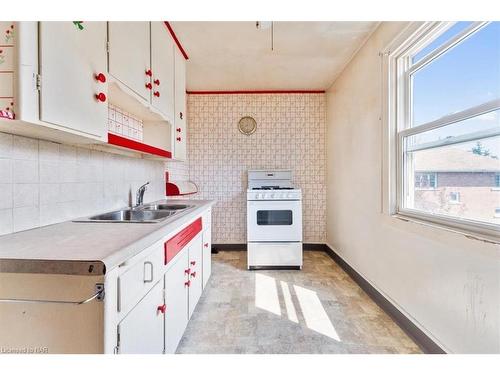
(107, 47)
(38, 81)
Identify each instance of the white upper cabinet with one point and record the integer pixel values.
(162, 66)
(72, 66)
(180, 107)
(129, 56)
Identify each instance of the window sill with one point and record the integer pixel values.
(485, 234)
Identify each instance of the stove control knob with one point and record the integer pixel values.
(257, 196)
(272, 196)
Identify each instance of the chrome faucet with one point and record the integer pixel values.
(139, 198)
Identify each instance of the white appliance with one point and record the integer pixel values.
(274, 220)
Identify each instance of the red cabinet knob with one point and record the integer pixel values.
(179, 139)
(157, 94)
(149, 73)
(193, 274)
(100, 77)
(187, 283)
(193, 263)
(149, 86)
(188, 271)
(162, 308)
(181, 115)
(178, 130)
(101, 97)
(157, 82)
(206, 245)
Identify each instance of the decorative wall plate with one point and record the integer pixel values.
(247, 125)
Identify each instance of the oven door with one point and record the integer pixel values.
(269, 221)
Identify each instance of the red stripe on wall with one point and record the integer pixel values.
(179, 45)
(256, 92)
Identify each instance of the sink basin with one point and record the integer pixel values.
(132, 216)
(168, 207)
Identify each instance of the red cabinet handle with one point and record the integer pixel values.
(100, 77)
(188, 271)
(101, 97)
(178, 130)
(149, 73)
(187, 283)
(157, 82)
(157, 94)
(181, 115)
(178, 139)
(193, 274)
(193, 263)
(206, 245)
(162, 308)
(149, 86)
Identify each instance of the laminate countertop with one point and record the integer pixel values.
(88, 248)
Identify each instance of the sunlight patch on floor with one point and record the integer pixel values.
(314, 313)
(266, 294)
(290, 308)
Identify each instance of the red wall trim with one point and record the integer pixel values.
(179, 45)
(256, 92)
(137, 146)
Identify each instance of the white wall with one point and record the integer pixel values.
(42, 182)
(447, 284)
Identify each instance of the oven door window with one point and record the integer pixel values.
(274, 217)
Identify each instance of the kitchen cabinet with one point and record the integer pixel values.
(73, 87)
(141, 331)
(162, 65)
(180, 136)
(176, 300)
(207, 255)
(195, 273)
(129, 55)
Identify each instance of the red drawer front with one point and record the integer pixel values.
(181, 239)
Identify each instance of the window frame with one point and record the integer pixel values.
(397, 114)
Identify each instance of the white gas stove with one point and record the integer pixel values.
(274, 220)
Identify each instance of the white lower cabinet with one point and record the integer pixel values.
(141, 331)
(176, 300)
(195, 275)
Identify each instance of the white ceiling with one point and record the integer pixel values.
(238, 56)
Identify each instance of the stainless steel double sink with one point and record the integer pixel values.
(149, 213)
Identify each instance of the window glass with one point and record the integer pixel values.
(463, 173)
(441, 39)
(463, 77)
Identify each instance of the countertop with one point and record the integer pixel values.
(87, 248)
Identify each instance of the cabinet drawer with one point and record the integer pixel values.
(139, 278)
(181, 239)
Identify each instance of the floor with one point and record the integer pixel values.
(317, 310)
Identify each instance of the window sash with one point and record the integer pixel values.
(403, 126)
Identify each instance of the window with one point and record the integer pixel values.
(454, 197)
(425, 180)
(445, 115)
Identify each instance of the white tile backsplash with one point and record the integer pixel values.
(43, 182)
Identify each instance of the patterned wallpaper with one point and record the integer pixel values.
(291, 132)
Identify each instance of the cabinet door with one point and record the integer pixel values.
(162, 64)
(141, 331)
(130, 55)
(176, 299)
(196, 274)
(70, 58)
(207, 256)
(180, 107)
